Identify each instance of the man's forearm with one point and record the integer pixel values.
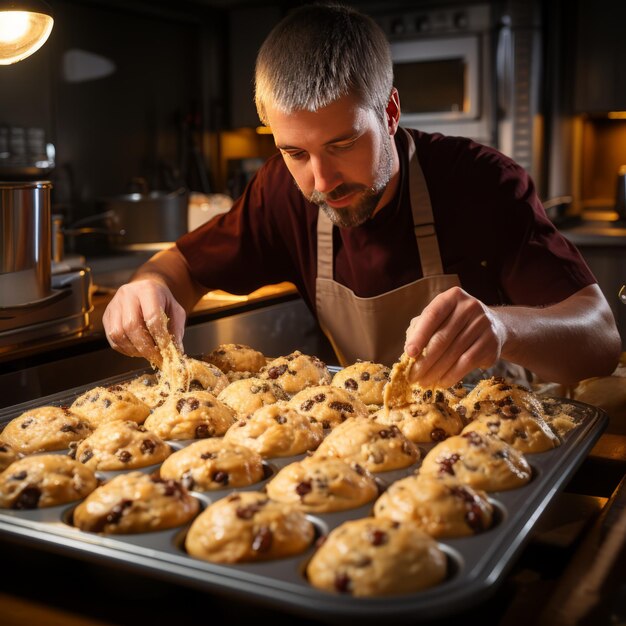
(565, 342)
(170, 269)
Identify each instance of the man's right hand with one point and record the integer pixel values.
(134, 317)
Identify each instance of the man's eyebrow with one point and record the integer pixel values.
(353, 134)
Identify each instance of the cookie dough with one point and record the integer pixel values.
(135, 503)
(525, 432)
(296, 371)
(7, 455)
(438, 508)
(276, 430)
(323, 485)
(328, 405)
(236, 360)
(377, 557)
(44, 429)
(480, 461)
(248, 526)
(148, 389)
(212, 464)
(495, 392)
(376, 447)
(106, 404)
(44, 480)
(423, 422)
(247, 395)
(191, 415)
(121, 445)
(365, 379)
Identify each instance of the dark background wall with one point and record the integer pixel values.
(130, 123)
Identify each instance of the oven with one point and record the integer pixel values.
(442, 69)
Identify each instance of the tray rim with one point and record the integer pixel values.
(302, 599)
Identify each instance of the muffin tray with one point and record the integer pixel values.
(477, 565)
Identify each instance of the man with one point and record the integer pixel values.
(431, 244)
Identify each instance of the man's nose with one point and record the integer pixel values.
(325, 174)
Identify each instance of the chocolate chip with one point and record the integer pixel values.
(307, 406)
(148, 446)
(209, 455)
(28, 498)
(446, 464)
(342, 582)
(202, 431)
(19, 476)
(277, 371)
(85, 456)
(438, 434)
(378, 537)
(220, 477)
(365, 376)
(248, 512)
(474, 438)
(280, 419)
(474, 519)
(262, 541)
(27, 422)
(351, 384)
(303, 488)
(115, 514)
(124, 456)
(427, 395)
(343, 407)
(196, 385)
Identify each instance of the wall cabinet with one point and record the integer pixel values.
(600, 56)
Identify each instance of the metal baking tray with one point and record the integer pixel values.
(478, 564)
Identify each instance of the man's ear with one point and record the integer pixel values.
(392, 112)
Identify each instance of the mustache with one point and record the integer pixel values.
(338, 192)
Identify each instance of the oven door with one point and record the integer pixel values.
(438, 79)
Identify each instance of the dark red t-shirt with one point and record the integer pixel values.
(492, 230)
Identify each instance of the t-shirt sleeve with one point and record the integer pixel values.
(238, 251)
(537, 264)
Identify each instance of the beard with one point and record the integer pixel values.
(367, 198)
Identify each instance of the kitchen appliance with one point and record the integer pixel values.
(145, 219)
(34, 303)
(472, 70)
(442, 69)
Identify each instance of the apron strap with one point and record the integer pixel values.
(324, 246)
(423, 220)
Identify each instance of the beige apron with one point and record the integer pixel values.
(375, 328)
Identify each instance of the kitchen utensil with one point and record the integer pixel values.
(145, 218)
(25, 257)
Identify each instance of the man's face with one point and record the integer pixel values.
(342, 158)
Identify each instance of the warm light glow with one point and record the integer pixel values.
(13, 26)
(21, 34)
(263, 130)
(617, 115)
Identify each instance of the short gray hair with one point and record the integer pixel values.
(319, 53)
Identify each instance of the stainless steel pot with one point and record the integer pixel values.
(24, 243)
(146, 218)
